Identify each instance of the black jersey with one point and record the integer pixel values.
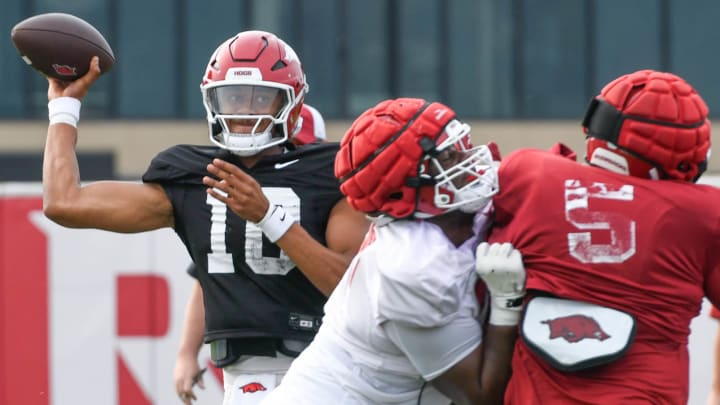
(251, 288)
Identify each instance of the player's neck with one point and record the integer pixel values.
(456, 225)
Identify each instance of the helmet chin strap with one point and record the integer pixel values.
(616, 161)
(238, 143)
(610, 161)
(243, 153)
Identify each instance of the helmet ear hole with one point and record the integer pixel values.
(442, 199)
(684, 167)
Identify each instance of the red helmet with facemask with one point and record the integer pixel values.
(253, 90)
(410, 158)
(649, 124)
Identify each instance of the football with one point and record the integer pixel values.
(60, 45)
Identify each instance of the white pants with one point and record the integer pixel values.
(251, 378)
(319, 376)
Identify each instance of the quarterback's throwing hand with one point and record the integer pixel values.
(501, 268)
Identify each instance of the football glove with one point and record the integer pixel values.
(501, 268)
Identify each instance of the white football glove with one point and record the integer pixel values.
(501, 268)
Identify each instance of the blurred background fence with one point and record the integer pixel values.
(489, 59)
(521, 70)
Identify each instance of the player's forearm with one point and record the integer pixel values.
(194, 324)
(115, 206)
(498, 342)
(322, 266)
(61, 174)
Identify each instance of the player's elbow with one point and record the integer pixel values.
(58, 212)
(330, 284)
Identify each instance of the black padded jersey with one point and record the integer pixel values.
(251, 289)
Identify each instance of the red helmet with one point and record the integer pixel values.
(649, 124)
(256, 79)
(410, 158)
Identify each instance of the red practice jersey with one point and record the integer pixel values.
(648, 248)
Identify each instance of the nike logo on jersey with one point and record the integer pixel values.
(279, 166)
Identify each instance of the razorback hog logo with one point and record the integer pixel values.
(575, 328)
(252, 387)
(64, 70)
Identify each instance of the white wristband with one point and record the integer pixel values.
(275, 223)
(505, 311)
(64, 110)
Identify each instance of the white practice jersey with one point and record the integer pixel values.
(403, 313)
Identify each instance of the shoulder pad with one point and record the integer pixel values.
(182, 163)
(426, 283)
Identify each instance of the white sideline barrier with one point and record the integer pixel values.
(89, 316)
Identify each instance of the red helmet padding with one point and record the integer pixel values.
(669, 101)
(373, 168)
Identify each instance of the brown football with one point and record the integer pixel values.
(60, 45)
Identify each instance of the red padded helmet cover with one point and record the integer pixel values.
(382, 150)
(665, 121)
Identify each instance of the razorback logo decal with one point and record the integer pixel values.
(249, 388)
(65, 70)
(575, 328)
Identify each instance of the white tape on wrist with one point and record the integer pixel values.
(505, 311)
(64, 110)
(275, 223)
